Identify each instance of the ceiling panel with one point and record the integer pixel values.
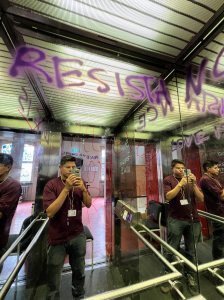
(158, 26)
(164, 28)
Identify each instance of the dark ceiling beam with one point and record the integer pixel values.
(13, 39)
(4, 5)
(87, 40)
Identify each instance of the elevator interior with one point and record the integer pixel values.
(145, 80)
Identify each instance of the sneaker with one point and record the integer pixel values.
(165, 288)
(192, 285)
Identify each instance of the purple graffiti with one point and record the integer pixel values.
(24, 60)
(198, 137)
(142, 118)
(203, 104)
(91, 74)
(190, 83)
(216, 73)
(118, 81)
(140, 92)
(58, 75)
(30, 57)
(24, 98)
(196, 84)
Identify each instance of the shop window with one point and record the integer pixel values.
(7, 148)
(103, 162)
(27, 163)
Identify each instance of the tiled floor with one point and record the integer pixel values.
(93, 217)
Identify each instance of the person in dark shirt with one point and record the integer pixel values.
(182, 192)
(10, 192)
(63, 198)
(214, 202)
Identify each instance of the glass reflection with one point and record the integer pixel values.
(202, 150)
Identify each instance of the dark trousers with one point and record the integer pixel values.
(2, 251)
(218, 240)
(191, 233)
(76, 250)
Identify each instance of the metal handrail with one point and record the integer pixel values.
(17, 241)
(20, 263)
(211, 216)
(158, 254)
(134, 288)
(195, 268)
(171, 249)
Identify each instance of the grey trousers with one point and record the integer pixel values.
(76, 250)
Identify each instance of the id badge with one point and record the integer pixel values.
(71, 212)
(184, 202)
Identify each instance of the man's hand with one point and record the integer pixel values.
(74, 181)
(192, 178)
(183, 181)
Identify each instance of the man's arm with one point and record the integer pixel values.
(198, 193)
(9, 199)
(222, 195)
(173, 193)
(208, 185)
(87, 200)
(55, 206)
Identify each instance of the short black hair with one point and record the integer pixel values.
(177, 161)
(6, 159)
(209, 164)
(67, 158)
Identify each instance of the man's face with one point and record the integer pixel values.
(178, 170)
(4, 169)
(67, 168)
(214, 170)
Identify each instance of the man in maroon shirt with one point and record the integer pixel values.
(10, 191)
(182, 192)
(63, 199)
(214, 202)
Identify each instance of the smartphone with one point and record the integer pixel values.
(76, 172)
(187, 172)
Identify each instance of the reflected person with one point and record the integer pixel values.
(10, 192)
(63, 199)
(214, 202)
(182, 193)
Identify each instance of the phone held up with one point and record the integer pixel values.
(76, 172)
(187, 172)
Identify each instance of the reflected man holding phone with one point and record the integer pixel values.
(181, 192)
(10, 192)
(214, 202)
(63, 199)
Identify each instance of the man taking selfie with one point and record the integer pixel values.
(63, 199)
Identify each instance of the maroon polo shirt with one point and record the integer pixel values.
(61, 227)
(10, 191)
(212, 190)
(176, 210)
